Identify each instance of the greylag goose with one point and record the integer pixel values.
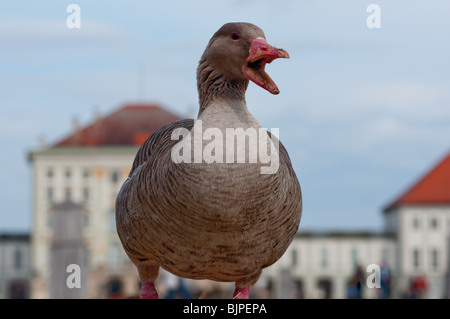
(201, 209)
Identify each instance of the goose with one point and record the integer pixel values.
(203, 217)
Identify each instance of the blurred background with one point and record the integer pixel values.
(364, 113)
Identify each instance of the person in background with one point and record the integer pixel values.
(385, 281)
(177, 287)
(419, 287)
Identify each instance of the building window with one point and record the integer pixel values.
(114, 255)
(67, 173)
(85, 194)
(18, 289)
(416, 258)
(354, 256)
(434, 223)
(324, 258)
(49, 173)
(50, 195)
(86, 219)
(18, 259)
(325, 287)
(416, 223)
(86, 174)
(67, 194)
(115, 176)
(294, 255)
(434, 259)
(112, 221)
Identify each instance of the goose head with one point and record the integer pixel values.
(239, 51)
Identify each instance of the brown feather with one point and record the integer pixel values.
(218, 221)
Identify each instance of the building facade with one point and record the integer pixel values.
(420, 219)
(414, 247)
(15, 266)
(88, 167)
(323, 265)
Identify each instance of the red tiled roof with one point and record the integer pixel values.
(433, 188)
(129, 125)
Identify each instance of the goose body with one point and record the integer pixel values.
(223, 220)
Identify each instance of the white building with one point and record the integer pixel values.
(414, 243)
(320, 265)
(420, 220)
(88, 167)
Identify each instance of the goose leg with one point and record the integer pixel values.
(148, 272)
(243, 286)
(241, 293)
(148, 290)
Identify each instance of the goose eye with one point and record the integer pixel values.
(235, 36)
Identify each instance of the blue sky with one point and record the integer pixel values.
(363, 112)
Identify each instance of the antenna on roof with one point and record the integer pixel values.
(75, 124)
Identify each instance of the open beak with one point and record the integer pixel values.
(262, 53)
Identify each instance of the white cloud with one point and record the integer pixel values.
(400, 96)
(37, 29)
(33, 41)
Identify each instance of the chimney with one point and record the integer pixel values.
(75, 125)
(76, 129)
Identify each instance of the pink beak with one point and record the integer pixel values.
(262, 53)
